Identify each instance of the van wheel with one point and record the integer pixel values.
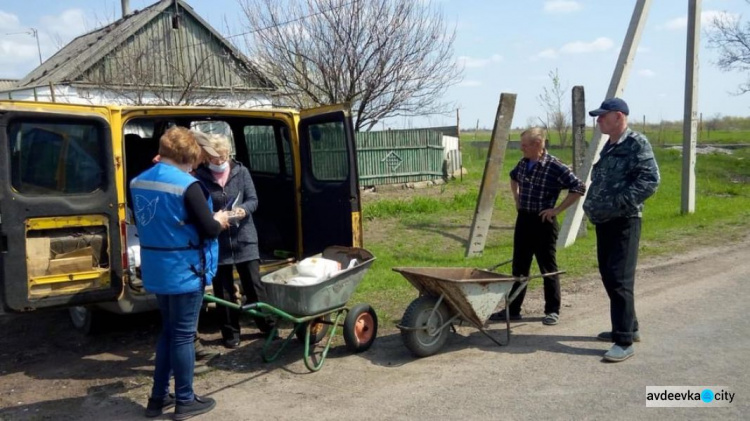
(86, 320)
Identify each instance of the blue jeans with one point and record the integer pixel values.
(175, 352)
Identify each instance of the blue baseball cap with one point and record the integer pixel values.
(611, 104)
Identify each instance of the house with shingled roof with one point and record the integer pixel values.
(165, 54)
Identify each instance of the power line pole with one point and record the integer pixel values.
(689, 122)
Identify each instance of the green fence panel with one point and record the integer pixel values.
(399, 156)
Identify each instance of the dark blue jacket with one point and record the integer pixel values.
(238, 243)
(623, 178)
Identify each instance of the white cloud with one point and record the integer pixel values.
(707, 18)
(472, 62)
(545, 54)
(646, 73)
(642, 49)
(68, 25)
(470, 83)
(561, 6)
(580, 47)
(8, 22)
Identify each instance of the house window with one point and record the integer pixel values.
(56, 158)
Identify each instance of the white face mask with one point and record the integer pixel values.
(219, 168)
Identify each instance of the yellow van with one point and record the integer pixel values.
(66, 238)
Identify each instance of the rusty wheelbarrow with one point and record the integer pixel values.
(449, 295)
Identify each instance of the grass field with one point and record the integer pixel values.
(430, 227)
(659, 136)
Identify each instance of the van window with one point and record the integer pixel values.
(56, 158)
(328, 146)
(264, 156)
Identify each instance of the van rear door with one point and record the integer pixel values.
(330, 202)
(59, 231)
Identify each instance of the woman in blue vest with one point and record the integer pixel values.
(231, 187)
(179, 251)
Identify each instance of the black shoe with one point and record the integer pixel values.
(202, 353)
(231, 343)
(500, 316)
(200, 405)
(156, 407)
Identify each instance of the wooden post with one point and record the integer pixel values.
(579, 138)
(476, 131)
(491, 178)
(52, 91)
(689, 120)
(574, 215)
(460, 153)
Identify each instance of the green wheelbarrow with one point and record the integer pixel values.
(316, 311)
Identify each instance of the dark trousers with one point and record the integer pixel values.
(536, 238)
(224, 289)
(617, 251)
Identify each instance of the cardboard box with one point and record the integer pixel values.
(71, 264)
(37, 256)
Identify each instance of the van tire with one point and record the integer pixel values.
(86, 320)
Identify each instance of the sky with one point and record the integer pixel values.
(503, 46)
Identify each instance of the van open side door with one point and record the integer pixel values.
(59, 226)
(330, 204)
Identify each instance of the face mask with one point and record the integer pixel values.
(219, 168)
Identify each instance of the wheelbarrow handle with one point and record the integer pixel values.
(541, 275)
(492, 268)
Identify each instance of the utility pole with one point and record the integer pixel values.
(480, 226)
(574, 215)
(689, 121)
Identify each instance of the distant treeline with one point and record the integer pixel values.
(717, 129)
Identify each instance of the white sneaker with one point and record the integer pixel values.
(618, 353)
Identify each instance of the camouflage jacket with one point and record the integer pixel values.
(623, 178)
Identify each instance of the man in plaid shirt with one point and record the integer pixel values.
(536, 183)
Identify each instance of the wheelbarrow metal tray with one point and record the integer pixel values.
(308, 300)
(473, 293)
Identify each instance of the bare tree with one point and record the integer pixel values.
(552, 99)
(712, 124)
(731, 37)
(387, 58)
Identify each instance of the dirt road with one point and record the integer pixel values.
(694, 322)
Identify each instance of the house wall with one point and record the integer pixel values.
(74, 95)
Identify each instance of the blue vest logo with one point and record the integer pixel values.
(145, 209)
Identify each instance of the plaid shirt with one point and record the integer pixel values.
(539, 188)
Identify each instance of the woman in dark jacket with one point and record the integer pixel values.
(231, 188)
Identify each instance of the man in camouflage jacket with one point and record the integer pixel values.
(623, 178)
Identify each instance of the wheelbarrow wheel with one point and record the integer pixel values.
(421, 335)
(360, 328)
(318, 329)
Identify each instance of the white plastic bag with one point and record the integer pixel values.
(318, 268)
(303, 280)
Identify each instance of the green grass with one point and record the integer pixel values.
(430, 227)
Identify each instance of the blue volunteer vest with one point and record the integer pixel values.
(173, 258)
